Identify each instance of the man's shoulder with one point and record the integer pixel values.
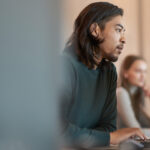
(67, 57)
(69, 61)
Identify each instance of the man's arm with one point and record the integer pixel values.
(73, 133)
(84, 137)
(108, 121)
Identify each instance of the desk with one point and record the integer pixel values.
(96, 148)
(129, 144)
(101, 148)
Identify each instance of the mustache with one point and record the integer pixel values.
(121, 46)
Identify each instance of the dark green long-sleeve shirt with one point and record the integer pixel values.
(89, 102)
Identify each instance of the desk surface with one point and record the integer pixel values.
(128, 144)
(101, 148)
(97, 148)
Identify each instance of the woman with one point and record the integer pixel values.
(132, 93)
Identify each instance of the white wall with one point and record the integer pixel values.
(145, 19)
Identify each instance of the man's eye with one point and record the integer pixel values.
(118, 30)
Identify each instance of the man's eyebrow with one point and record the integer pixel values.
(121, 26)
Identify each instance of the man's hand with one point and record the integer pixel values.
(122, 134)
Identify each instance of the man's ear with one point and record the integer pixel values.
(96, 31)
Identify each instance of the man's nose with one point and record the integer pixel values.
(123, 40)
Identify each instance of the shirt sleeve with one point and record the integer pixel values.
(125, 110)
(108, 119)
(74, 135)
(86, 137)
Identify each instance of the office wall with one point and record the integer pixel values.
(145, 36)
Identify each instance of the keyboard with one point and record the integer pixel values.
(145, 143)
(131, 144)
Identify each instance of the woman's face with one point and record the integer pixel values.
(136, 73)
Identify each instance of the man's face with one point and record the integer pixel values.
(114, 40)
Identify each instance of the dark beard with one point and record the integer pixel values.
(110, 57)
(113, 59)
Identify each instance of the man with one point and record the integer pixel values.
(89, 86)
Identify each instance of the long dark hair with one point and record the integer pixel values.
(137, 99)
(82, 41)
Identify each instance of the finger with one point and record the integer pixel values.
(141, 135)
(132, 137)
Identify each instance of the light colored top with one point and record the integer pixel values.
(126, 117)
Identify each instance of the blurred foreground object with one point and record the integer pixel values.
(29, 31)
